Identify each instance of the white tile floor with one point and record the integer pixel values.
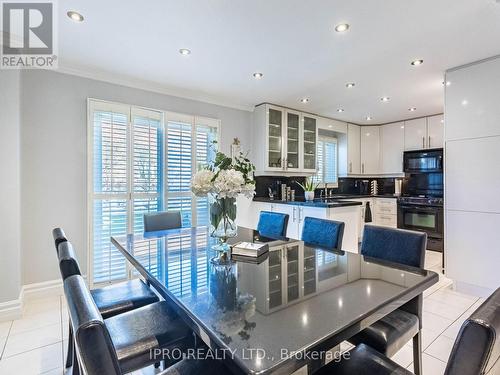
(36, 343)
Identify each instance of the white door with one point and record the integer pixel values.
(435, 131)
(415, 134)
(392, 143)
(370, 149)
(353, 149)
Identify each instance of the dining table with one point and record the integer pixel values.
(276, 314)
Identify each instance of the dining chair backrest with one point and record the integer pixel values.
(95, 349)
(477, 348)
(162, 221)
(59, 236)
(394, 245)
(272, 224)
(327, 234)
(68, 264)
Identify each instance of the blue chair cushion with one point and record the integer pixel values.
(272, 224)
(327, 234)
(394, 245)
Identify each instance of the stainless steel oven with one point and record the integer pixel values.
(423, 161)
(425, 216)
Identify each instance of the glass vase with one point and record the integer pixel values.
(222, 223)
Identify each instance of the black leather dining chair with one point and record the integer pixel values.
(327, 234)
(394, 330)
(122, 343)
(272, 224)
(476, 350)
(165, 220)
(110, 300)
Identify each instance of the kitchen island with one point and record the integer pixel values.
(340, 210)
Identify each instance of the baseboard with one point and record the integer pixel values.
(11, 310)
(42, 290)
(474, 290)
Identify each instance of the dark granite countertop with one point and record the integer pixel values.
(320, 203)
(337, 200)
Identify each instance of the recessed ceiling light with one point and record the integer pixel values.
(368, 118)
(412, 109)
(417, 62)
(258, 75)
(304, 100)
(350, 85)
(442, 121)
(75, 16)
(385, 98)
(340, 110)
(340, 28)
(184, 51)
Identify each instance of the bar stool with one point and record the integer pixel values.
(272, 224)
(394, 330)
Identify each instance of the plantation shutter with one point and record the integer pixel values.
(142, 161)
(110, 183)
(326, 151)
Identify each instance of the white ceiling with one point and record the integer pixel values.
(292, 42)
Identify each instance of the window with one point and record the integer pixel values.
(327, 161)
(140, 161)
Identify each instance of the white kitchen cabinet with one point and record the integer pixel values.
(392, 144)
(283, 140)
(385, 212)
(293, 218)
(353, 149)
(370, 150)
(415, 134)
(435, 131)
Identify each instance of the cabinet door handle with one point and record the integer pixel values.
(423, 142)
(429, 141)
(362, 167)
(293, 215)
(350, 167)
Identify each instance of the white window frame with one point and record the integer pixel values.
(164, 116)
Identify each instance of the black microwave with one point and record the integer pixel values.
(423, 161)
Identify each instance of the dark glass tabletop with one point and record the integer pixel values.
(292, 299)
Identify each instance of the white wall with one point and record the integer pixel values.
(54, 156)
(472, 176)
(10, 246)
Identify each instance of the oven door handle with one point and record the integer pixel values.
(420, 208)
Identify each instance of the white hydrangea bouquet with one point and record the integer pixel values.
(222, 182)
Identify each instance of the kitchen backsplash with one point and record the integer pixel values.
(346, 185)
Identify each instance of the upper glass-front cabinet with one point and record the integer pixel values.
(310, 136)
(283, 140)
(292, 140)
(275, 138)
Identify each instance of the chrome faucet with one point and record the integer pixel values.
(326, 190)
